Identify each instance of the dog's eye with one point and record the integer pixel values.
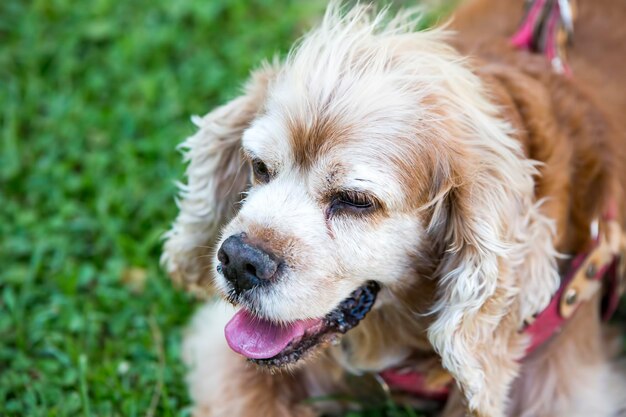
(351, 202)
(260, 170)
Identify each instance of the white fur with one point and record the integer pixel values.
(395, 96)
(206, 353)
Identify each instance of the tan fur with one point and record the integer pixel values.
(487, 173)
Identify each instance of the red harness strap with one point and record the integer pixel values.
(546, 28)
(588, 272)
(414, 383)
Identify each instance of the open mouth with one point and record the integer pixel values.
(272, 344)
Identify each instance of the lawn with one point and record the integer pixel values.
(94, 98)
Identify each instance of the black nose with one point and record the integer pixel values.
(245, 266)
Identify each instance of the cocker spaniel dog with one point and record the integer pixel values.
(441, 211)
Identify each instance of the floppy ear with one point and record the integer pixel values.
(217, 175)
(494, 241)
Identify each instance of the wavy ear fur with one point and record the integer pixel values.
(217, 175)
(496, 249)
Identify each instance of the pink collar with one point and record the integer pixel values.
(589, 273)
(599, 269)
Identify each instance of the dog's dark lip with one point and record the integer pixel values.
(344, 317)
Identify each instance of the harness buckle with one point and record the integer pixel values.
(589, 274)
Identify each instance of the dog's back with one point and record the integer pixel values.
(597, 54)
(575, 125)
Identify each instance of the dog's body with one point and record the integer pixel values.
(463, 234)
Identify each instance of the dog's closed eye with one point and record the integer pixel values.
(351, 202)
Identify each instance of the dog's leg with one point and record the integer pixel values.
(572, 376)
(455, 406)
(222, 383)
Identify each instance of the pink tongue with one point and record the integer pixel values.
(257, 338)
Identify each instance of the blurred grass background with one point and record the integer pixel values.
(94, 97)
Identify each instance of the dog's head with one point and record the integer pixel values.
(371, 159)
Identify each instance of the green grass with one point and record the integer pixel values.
(94, 97)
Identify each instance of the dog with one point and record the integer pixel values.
(390, 203)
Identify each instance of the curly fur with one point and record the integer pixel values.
(487, 172)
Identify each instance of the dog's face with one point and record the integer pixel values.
(334, 201)
(328, 206)
(373, 155)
